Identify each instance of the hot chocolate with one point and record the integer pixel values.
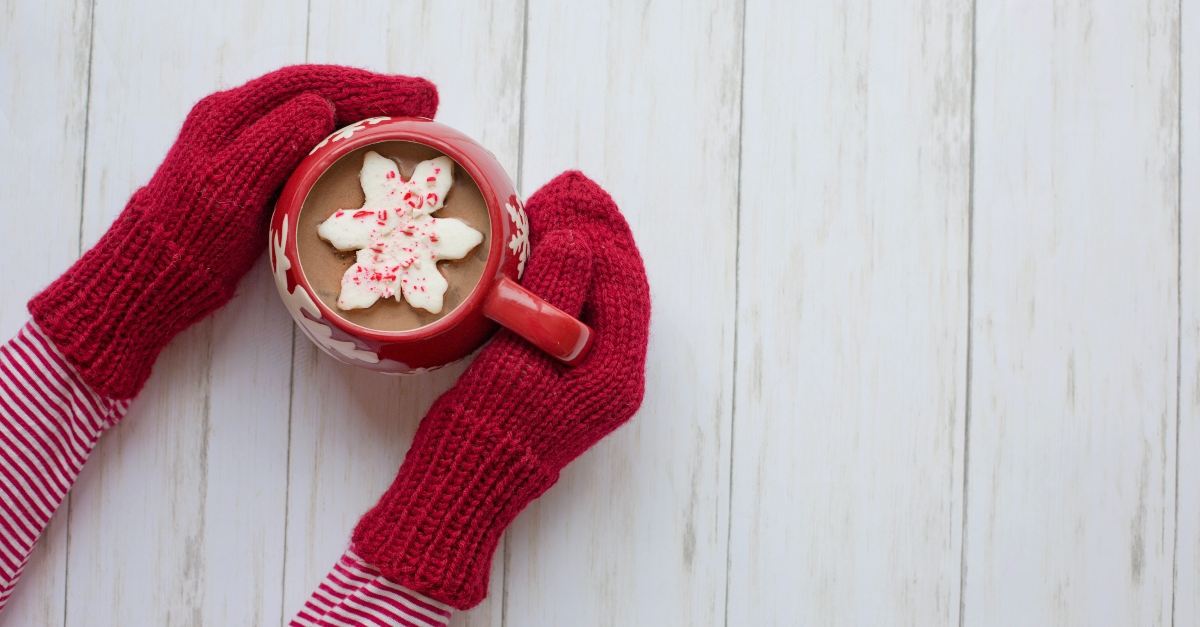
(438, 226)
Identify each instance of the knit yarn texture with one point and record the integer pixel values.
(178, 249)
(499, 438)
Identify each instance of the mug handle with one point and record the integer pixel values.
(542, 324)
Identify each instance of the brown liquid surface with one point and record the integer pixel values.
(338, 188)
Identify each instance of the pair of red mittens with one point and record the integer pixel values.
(491, 444)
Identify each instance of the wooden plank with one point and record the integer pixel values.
(178, 515)
(852, 317)
(351, 428)
(643, 98)
(43, 70)
(1070, 486)
(1187, 547)
(43, 103)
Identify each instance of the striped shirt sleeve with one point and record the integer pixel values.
(355, 594)
(49, 422)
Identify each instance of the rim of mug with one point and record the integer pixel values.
(417, 130)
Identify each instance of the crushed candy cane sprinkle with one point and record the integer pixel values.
(398, 242)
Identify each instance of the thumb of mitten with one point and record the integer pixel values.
(560, 270)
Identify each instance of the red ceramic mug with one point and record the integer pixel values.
(497, 298)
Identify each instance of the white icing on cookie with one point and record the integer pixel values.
(399, 243)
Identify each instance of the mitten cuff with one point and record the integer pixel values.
(122, 302)
(436, 529)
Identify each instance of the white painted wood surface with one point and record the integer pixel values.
(1070, 508)
(926, 336)
(1187, 534)
(852, 315)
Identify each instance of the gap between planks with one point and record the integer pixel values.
(737, 293)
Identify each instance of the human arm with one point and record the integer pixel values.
(174, 255)
(516, 417)
(50, 420)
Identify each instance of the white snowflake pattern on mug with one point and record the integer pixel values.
(298, 302)
(519, 243)
(346, 132)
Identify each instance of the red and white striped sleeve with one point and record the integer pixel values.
(49, 422)
(355, 594)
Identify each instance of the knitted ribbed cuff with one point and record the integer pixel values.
(122, 302)
(437, 528)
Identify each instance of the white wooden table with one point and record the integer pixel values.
(926, 337)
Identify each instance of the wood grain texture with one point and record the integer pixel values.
(43, 105)
(829, 488)
(852, 317)
(1070, 506)
(43, 102)
(644, 99)
(350, 427)
(178, 516)
(1187, 547)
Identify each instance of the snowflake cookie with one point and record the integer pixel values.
(398, 242)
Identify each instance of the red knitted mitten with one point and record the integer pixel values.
(184, 240)
(498, 438)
